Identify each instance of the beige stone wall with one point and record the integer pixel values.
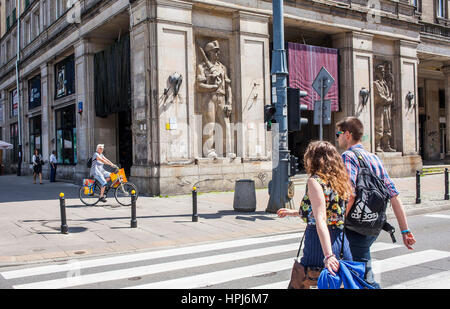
(356, 63)
(406, 119)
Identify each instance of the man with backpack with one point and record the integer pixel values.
(366, 210)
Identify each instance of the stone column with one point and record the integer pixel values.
(405, 112)
(143, 92)
(431, 132)
(252, 85)
(45, 116)
(356, 63)
(84, 72)
(446, 70)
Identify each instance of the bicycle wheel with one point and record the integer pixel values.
(123, 193)
(91, 198)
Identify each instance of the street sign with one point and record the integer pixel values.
(326, 114)
(325, 80)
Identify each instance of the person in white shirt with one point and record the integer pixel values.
(37, 166)
(53, 162)
(97, 170)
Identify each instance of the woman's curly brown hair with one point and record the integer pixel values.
(323, 159)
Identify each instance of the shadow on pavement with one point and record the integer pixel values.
(20, 189)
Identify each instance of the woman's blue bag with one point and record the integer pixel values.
(350, 273)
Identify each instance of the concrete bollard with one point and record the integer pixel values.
(62, 207)
(194, 205)
(244, 195)
(133, 209)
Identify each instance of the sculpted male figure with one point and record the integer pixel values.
(214, 88)
(383, 103)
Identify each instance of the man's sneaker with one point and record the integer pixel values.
(103, 199)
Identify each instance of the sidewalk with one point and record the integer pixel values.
(30, 220)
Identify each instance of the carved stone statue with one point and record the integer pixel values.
(215, 98)
(383, 86)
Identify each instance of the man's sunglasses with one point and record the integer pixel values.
(339, 133)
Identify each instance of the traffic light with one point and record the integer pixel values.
(295, 108)
(293, 166)
(269, 111)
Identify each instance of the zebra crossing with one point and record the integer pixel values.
(250, 263)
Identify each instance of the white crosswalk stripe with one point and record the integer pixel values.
(259, 263)
(438, 216)
(146, 256)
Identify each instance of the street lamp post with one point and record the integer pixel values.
(278, 187)
(19, 109)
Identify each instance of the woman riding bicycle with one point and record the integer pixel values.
(97, 170)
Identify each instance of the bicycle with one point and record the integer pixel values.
(90, 190)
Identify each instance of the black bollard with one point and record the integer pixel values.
(194, 205)
(133, 209)
(62, 206)
(418, 187)
(446, 196)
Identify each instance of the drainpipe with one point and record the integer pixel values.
(19, 115)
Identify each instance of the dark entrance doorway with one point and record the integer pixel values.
(125, 141)
(113, 96)
(422, 120)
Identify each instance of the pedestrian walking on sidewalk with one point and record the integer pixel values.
(37, 166)
(323, 208)
(52, 163)
(350, 132)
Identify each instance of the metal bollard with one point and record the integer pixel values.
(62, 206)
(133, 209)
(418, 187)
(446, 195)
(194, 205)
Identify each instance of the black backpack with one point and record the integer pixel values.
(368, 213)
(89, 163)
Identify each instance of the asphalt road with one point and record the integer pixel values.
(262, 263)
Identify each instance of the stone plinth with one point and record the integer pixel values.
(206, 174)
(398, 165)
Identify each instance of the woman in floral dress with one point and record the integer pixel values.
(323, 207)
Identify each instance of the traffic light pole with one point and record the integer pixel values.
(278, 187)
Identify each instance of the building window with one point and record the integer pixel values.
(66, 135)
(442, 98)
(65, 77)
(1, 114)
(36, 26)
(35, 135)
(34, 92)
(14, 140)
(13, 103)
(440, 8)
(61, 7)
(417, 4)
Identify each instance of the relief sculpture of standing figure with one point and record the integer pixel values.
(383, 105)
(214, 90)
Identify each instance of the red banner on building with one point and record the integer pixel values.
(304, 63)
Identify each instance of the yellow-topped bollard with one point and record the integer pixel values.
(194, 205)
(133, 209)
(62, 206)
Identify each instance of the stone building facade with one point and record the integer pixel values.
(197, 61)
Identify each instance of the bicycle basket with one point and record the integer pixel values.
(88, 182)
